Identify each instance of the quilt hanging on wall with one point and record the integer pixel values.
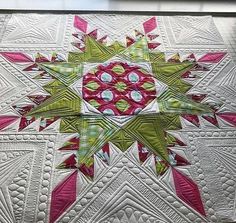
(116, 119)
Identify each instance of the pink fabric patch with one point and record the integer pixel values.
(198, 67)
(129, 41)
(187, 74)
(212, 119)
(188, 191)
(38, 99)
(212, 57)
(23, 109)
(87, 170)
(153, 45)
(63, 196)
(40, 58)
(104, 153)
(16, 57)
(94, 34)
(152, 36)
(69, 163)
(33, 67)
(191, 58)
(103, 39)
(229, 117)
(25, 121)
(7, 120)
(150, 25)
(45, 122)
(143, 152)
(197, 97)
(80, 24)
(71, 144)
(192, 118)
(179, 142)
(180, 161)
(57, 58)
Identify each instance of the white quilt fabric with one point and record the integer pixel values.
(61, 157)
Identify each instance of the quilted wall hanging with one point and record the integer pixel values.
(116, 119)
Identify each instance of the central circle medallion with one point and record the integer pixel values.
(118, 88)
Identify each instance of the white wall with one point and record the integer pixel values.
(123, 5)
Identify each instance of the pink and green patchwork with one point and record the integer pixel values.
(118, 89)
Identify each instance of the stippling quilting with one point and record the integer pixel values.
(113, 118)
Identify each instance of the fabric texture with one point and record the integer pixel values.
(116, 118)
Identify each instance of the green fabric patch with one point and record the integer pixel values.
(148, 130)
(138, 51)
(64, 103)
(121, 86)
(96, 131)
(172, 102)
(67, 73)
(116, 47)
(94, 103)
(118, 69)
(157, 57)
(94, 52)
(70, 124)
(54, 87)
(170, 74)
(122, 140)
(92, 86)
(122, 105)
(149, 86)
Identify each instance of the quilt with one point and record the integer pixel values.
(116, 119)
